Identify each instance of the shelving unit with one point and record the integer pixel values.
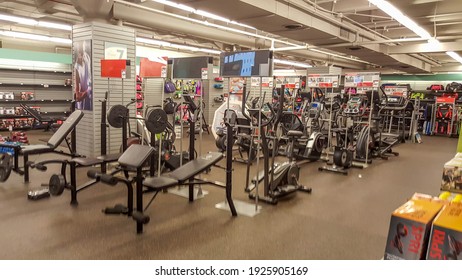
(49, 92)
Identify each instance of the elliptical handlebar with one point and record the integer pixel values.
(248, 117)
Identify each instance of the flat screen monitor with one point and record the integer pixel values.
(190, 67)
(246, 64)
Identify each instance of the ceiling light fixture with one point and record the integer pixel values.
(175, 46)
(33, 22)
(201, 13)
(395, 13)
(291, 63)
(455, 56)
(35, 37)
(410, 24)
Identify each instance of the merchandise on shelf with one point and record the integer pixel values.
(26, 95)
(454, 87)
(436, 88)
(452, 179)
(410, 228)
(9, 110)
(8, 95)
(139, 95)
(446, 235)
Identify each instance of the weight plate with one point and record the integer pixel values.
(116, 114)
(318, 143)
(342, 158)
(156, 121)
(5, 167)
(56, 184)
(293, 175)
(221, 143)
(362, 146)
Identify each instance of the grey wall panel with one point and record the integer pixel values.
(100, 33)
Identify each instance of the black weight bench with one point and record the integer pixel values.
(51, 123)
(53, 143)
(136, 155)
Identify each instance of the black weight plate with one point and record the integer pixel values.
(293, 175)
(5, 167)
(318, 143)
(156, 121)
(362, 146)
(116, 114)
(57, 184)
(342, 158)
(221, 143)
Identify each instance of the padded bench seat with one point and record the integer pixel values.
(183, 173)
(86, 161)
(160, 183)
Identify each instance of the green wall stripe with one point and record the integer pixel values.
(36, 56)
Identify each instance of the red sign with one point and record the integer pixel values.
(114, 68)
(153, 69)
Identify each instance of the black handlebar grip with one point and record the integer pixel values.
(108, 179)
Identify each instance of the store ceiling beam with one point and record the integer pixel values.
(456, 67)
(425, 48)
(140, 15)
(310, 15)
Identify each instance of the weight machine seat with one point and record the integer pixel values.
(183, 173)
(135, 155)
(295, 133)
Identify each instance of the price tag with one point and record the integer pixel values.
(205, 73)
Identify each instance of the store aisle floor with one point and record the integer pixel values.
(346, 217)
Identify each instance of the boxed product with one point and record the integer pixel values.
(446, 236)
(2, 95)
(452, 179)
(2, 111)
(409, 229)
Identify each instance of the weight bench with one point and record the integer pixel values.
(51, 122)
(136, 155)
(53, 143)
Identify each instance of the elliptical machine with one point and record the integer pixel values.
(279, 180)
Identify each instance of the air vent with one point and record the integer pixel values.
(294, 26)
